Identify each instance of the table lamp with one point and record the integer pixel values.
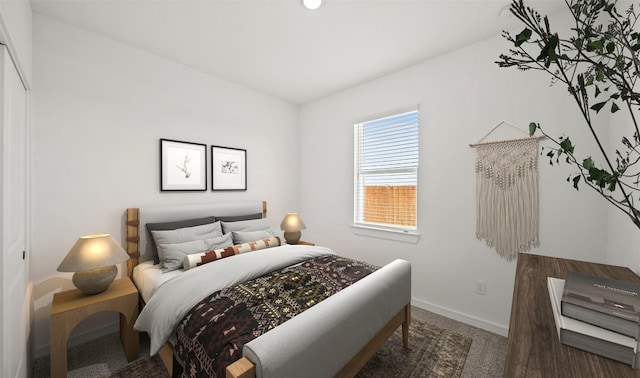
(292, 224)
(93, 259)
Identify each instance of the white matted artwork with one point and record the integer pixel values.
(228, 168)
(183, 166)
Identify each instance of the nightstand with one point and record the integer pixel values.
(71, 307)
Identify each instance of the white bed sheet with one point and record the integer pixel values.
(162, 313)
(148, 277)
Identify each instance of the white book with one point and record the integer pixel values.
(586, 336)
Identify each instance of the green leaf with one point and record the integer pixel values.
(523, 37)
(588, 163)
(576, 180)
(595, 45)
(624, 94)
(532, 128)
(597, 91)
(598, 106)
(611, 47)
(614, 107)
(566, 145)
(578, 43)
(589, 81)
(602, 178)
(548, 52)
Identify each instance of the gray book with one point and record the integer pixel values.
(604, 302)
(588, 337)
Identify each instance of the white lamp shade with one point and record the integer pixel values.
(292, 222)
(92, 252)
(312, 4)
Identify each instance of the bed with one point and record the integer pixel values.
(334, 337)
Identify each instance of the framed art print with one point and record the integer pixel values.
(228, 168)
(183, 166)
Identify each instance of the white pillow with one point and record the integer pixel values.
(240, 237)
(246, 225)
(186, 234)
(174, 253)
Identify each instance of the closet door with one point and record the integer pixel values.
(13, 222)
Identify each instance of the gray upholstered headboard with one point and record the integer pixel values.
(138, 247)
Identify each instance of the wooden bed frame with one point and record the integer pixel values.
(244, 368)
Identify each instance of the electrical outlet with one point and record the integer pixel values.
(480, 287)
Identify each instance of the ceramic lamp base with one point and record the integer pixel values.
(96, 280)
(292, 237)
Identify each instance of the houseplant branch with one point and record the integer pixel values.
(600, 66)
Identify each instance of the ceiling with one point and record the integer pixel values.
(282, 49)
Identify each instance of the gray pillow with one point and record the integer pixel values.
(223, 241)
(236, 218)
(171, 226)
(246, 225)
(240, 237)
(186, 234)
(174, 253)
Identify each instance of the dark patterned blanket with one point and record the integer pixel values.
(212, 334)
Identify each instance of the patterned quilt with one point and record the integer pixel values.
(212, 334)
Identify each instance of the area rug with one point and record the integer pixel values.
(94, 371)
(142, 368)
(433, 352)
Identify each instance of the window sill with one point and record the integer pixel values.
(384, 233)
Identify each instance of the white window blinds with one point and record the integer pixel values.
(386, 171)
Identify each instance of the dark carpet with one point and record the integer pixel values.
(142, 368)
(433, 352)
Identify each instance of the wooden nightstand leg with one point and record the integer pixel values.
(59, 335)
(129, 337)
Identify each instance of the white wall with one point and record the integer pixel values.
(100, 109)
(462, 95)
(16, 20)
(623, 237)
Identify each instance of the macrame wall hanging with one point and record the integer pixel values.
(507, 193)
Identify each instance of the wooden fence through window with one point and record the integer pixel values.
(395, 205)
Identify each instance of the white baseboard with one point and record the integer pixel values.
(464, 318)
(81, 338)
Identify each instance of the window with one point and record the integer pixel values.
(386, 172)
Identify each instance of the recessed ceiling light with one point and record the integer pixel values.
(312, 4)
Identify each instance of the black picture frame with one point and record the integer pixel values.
(228, 168)
(183, 166)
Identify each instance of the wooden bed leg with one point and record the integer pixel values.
(405, 326)
(360, 359)
(243, 368)
(166, 354)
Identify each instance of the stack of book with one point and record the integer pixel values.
(598, 315)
